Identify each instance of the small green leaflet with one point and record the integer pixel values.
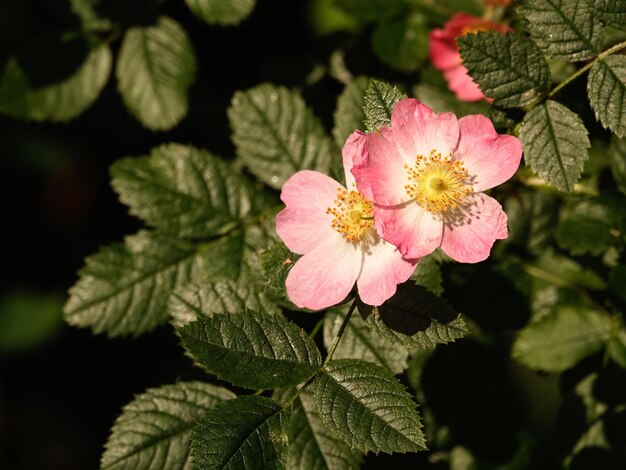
(276, 262)
(349, 112)
(359, 342)
(555, 144)
(415, 318)
(276, 134)
(251, 349)
(558, 341)
(617, 158)
(612, 12)
(223, 12)
(565, 29)
(183, 191)
(380, 98)
(247, 432)
(562, 271)
(54, 80)
(154, 430)
(606, 88)
(402, 42)
(428, 275)
(124, 288)
(87, 11)
(155, 68)
(348, 391)
(508, 67)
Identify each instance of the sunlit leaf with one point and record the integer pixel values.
(349, 114)
(606, 88)
(380, 97)
(224, 12)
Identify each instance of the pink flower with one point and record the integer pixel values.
(333, 228)
(426, 174)
(444, 53)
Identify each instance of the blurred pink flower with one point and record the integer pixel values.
(444, 53)
(426, 173)
(333, 228)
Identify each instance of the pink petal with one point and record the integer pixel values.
(443, 50)
(380, 175)
(417, 130)
(383, 269)
(304, 223)
(469, 237)
(460, 82)
(324, 276)
(415, 231)
(353, 153)
(490, 158)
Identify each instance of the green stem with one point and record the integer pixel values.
(316, 328)
(579, 72)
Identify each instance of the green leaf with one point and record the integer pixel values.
(555, 144)
(224, 12)
(54, 80)
(617, 158)
(311, 445)
(276, 134)
(562, 271)
(371, 10)
(87, 11)
(247, 432)
(402, 42)
(428, 275)
(366, 406)
(612, 12)
(349, 114)
(441, 101)
(154, 430)
(252, 349)
(558, 341)
(566, 29)
(380, 98)
(124, 288)
(359, 342)
(276, 262)
(617, 347)
(606, 87)
(155, 68)
(508, 67)
(415, 318)
(203, 300)
(592, 225)
(183, 191)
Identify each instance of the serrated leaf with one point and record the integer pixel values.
(555, 144)
(247, 432)
(508, 67)
(592, 225)
(612, 12)
(154, 430)
(558, 341)
(617, 158)
(371, 10)
(349, 114)
(276, 134)
(348, 391)
(311, 445)
(183, 191)
(428, 275)
(606, 88)
(565, 29)
(155, 67)
(251, 349)
(124, 288)
(276, 262)
(415, 318)
(380, 97)
(54, 80)
(224, 12)
(203, 300)
(402, 42)
(359, 342)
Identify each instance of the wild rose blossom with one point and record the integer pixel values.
(426, 173)
(333, 228)
(444, 53)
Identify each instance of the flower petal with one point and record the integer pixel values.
(304, 223)
(490, 158)
(383, 269)
(325, 275)
(468, 237)
(415, 231)
(460, 82)
(353, 153)
(443, 51)
(417, 130)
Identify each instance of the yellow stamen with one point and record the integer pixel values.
(437, 183)
(353, 214)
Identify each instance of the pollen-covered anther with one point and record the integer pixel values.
(353, 214)
(437, 183)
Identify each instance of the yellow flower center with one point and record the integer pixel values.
(437, 183)
(354, 214)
